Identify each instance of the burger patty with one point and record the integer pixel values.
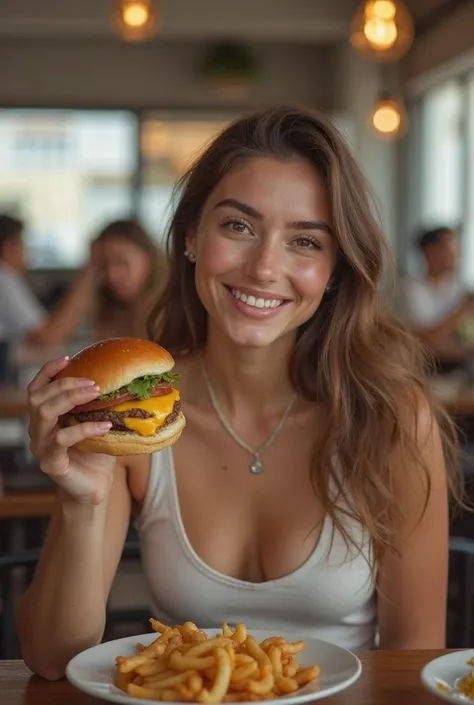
(116, 417)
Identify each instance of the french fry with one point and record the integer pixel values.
(226, 630)
(186, 662)
(286, 685)
(264, 685)
(121, 680)
(294, 648)
(222, 680)
(187, 630)
(169, 681)
(274, 654)
(195, 683)
(256, 651)
(272, 641)
(153, 666)
(230, 650)
(186, 694)
(157, 677)
(138, 691)
(157, 626)
(306, 675)
(126, 665)
(208, 645)
(240, 634)
(243, 673)
(243, 659)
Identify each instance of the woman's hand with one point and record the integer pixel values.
(84, 477)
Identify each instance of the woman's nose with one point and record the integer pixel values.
(264, 263)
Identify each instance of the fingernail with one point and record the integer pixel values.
(82, 382)
(60, 360)
(104, 425)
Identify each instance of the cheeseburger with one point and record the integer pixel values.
(137, 395)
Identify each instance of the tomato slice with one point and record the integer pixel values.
(161, 389)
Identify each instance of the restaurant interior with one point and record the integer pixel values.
(103, 105)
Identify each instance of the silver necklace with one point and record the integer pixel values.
(256, 466)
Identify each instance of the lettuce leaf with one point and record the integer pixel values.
(141, 387)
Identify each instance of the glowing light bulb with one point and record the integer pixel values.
(386, 119)
(383, 10)
(136, 14)
(382, 30)
(381, 34)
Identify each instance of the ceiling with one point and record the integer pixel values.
(318, 21)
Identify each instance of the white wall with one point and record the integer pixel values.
(111, 73)
(359, 84)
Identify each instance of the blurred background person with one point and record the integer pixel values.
(435, 304)
(22, 317)
(133, 271)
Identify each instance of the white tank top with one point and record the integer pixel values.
(331, 596)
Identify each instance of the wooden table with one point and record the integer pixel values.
(26, 505)
(13, 402)
(388, 678)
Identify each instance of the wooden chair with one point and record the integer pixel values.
(26, 561)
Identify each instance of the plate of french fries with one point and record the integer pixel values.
(451, 677)
(233, 664)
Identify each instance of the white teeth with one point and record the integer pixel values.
(254, 302)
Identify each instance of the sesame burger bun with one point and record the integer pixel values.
(113, 364)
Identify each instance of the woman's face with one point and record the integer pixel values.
(264, 250)
(125, 268)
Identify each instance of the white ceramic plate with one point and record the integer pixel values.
(93, 670)
(440, 676)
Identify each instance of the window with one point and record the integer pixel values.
(66, 173)
(442, 146)
(439, 179)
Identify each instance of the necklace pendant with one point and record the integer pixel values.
(256, 467)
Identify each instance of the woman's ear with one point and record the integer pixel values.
(190, 240)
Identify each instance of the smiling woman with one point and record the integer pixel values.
(309, 491)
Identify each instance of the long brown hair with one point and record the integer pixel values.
(352, 355)
(109, 308)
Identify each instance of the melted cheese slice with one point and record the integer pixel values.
(160, 407)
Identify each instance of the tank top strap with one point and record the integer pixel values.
(158, 490)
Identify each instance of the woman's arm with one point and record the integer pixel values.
(64, 609)
(413, 579)
(67, 314)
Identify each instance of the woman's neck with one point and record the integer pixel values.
(243, 378)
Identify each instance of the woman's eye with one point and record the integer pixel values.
(237, 226)
(308, 243)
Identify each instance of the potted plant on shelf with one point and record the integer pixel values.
(230, 69)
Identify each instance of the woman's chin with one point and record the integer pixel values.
(252, 336)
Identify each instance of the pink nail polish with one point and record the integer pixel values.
(82, 382)
(104, 425)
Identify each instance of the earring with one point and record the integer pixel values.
(190, 255)
(328, 289)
